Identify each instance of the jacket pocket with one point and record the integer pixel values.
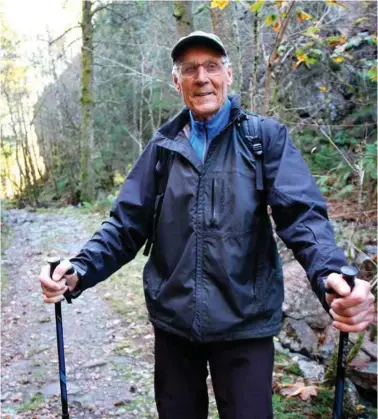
(253, 289)
(213, 220)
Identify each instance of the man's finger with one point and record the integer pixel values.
(352, 328)
(47, 283)
(353, 320)
(53, 294)
(53, 300)
(357, 298)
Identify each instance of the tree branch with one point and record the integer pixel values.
(63, 34)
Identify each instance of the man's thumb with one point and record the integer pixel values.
(338, 285)
(61, 269)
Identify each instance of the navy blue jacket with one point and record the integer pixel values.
(213, 272)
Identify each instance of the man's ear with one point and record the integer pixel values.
(176, 83)
(229, 75)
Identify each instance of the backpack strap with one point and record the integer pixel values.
(162, 173)
(252, 136)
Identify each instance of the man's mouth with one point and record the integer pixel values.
(204, 94)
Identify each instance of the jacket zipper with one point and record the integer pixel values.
(211, 146)
(198, 275)
(213, 189)
(206, 142)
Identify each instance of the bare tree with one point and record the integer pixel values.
(182, 12)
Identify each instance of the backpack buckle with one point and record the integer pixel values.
(257, 149)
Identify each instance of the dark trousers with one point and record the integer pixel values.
(241, 373)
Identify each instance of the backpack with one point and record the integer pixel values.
(251, 134)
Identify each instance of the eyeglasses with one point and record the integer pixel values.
(211, 67)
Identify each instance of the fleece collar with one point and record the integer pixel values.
(201, 133)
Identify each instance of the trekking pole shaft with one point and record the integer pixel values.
(349, 274)
(340, 377)
(62, 364)
(60, 345)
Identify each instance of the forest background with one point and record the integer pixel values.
(81, 98)
(311, 65)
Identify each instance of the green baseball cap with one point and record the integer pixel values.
(198, 38)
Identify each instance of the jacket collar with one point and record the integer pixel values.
(172, 127)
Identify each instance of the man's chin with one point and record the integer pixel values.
(205, 110)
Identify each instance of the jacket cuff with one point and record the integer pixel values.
(76, 292)
(322, 293)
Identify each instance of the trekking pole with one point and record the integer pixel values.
(349, 274)
(54, 262)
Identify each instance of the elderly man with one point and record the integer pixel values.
(213, 282)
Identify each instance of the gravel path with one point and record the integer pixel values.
(98, 383)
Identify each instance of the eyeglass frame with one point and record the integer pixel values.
(177, 67)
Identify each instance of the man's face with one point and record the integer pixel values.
(203, 93)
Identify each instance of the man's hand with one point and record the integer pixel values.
(351, 311)
(53, 289)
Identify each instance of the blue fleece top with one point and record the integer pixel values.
(201, 133)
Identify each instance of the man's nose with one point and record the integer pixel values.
(201, 75)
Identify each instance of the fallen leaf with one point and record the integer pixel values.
(299, 389)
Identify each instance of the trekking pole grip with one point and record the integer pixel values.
(349, 274)
(54, 262)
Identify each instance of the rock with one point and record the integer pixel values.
(51, 389)
(95, 363)
(298, 336)
(311, 370)
(279, 348)
(4, 396)
(367, 345)
(73, 388)
(371, 250)
(17, 397)
(364, 376)
(45, 319)
(351, 393)
(327, 348)
(300, 301)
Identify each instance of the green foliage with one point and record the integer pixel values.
(285, 408)
(356, 347)
(102, 206)
(34, 403)
(370, 160)
(257, 7)
(294, 368)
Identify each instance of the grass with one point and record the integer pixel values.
(294, 369)
(34, 403)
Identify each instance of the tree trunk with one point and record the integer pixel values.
(182, 12)
(274, 56)
(224, 24)
(253, 77)
(87, 180)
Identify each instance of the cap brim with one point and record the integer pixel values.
(196, 41)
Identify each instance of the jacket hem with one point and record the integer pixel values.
(253, 333)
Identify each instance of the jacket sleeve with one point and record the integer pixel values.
(123, 234)
(298, 209)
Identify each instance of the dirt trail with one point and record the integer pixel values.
(97, 384)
